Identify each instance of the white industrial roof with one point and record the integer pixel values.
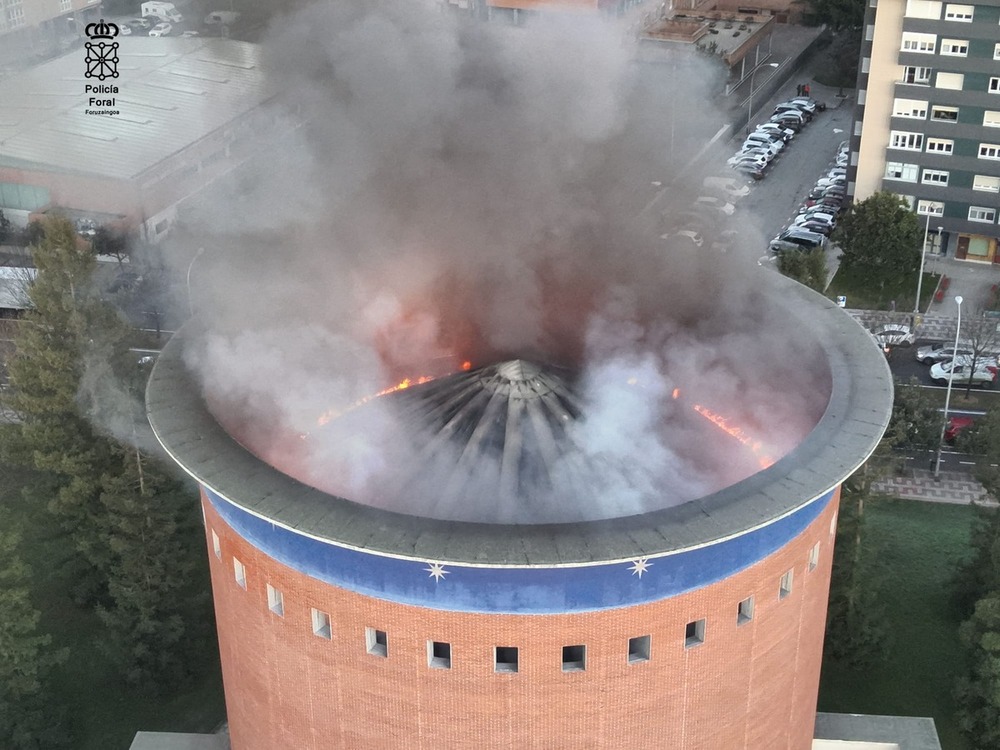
(171, 92)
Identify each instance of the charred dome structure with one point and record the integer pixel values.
(477, 590)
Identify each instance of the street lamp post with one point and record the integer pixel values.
(190, 266)
(920, 276)
(750, 101)
(947, 397)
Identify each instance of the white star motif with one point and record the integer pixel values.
(437, 571)
(640, 566)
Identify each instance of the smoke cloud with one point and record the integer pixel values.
(446, 191)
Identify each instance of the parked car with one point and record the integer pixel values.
(161, 29)
(125, 30)
(956, 425)
(688, 235)
(817, 105)
(959, 372)
(813, 225)
(726, 186)
(793, 119)
(894, 334)
(757, 161)
(790, 107)
(805, 103)
(797, 239)
(773, 128)
(143, 24)
(716, 203)
(764, 140)
(941, 353)
(749, 170)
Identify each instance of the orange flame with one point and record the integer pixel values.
(466, 366)
(736, 432)
(326, 416)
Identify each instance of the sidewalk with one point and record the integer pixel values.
(953, 487)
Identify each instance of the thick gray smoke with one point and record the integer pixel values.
(447, 191)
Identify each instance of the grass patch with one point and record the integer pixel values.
(920, 545)
(103, 711)
(865, 294)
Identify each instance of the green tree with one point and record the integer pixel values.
(916, 421)
(45, 374)
(807, 267)
(5, 231)
(28, 719)
(880, 236)
(978, 692)
(149, 528)
(839, 15)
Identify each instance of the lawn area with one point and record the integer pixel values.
(920, 544)
(863, 294)
(104, 712)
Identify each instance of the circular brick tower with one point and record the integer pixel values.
(695, 627)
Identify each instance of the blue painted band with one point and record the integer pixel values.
(509, 590)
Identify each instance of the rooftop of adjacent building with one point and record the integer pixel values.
(171, 92)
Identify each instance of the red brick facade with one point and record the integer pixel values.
(751, 686)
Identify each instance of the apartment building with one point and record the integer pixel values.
(34, 27)
(927, 125)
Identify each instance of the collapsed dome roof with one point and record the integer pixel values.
(855, 418)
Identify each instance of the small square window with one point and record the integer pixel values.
(989, 151)
(833, 525)
(377, 642)
(216, 545)
(785, 587)
(991, 119)
(438, 655)
(574, 658)
(981, 213)
(321, 624)
(505, 659)
(694, 633)
(744, 611)
(275, 601)
(994, 86)
(240, 573)
(930, 208)
(934, 177)
(814, 557)
(955, 47)
(986, 183)
(638, 649)
(940, 145)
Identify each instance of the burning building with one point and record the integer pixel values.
(489, 586)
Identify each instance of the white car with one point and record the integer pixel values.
(687, 234)
(960, 372)
(727, 186)
(762, 140)
(717, 203)
(759, 160)
(894, 334)
(773, 128)
(161, 29)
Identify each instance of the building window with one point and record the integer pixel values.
(376, 642)
(955, 47)
(216, 545)
(980, 213)
(989, 151)
(321, 624)
(986, 183)
(940, 145)
(505, 658)
(917, 75)
(65, 5)
(944, 114)
(694, 633)
(744, 611)
(934, 177)
(951, 81)
(931, 208)
(814, 556)
(958, 13)
(996, 51)
(275, 601)
(909, 108)
(923, 9)
(638, 649)
(574, 658)
(895, 170)
(869, 32)
(906, 141)
(923, 43)
(785, 587)
(15, 15)
(994, 86)
(833, 525)
(907, 199)
(438, 655)
(240, 573)
(991, 119)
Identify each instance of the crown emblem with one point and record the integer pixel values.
(102, 30)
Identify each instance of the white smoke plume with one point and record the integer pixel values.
(448, 190)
